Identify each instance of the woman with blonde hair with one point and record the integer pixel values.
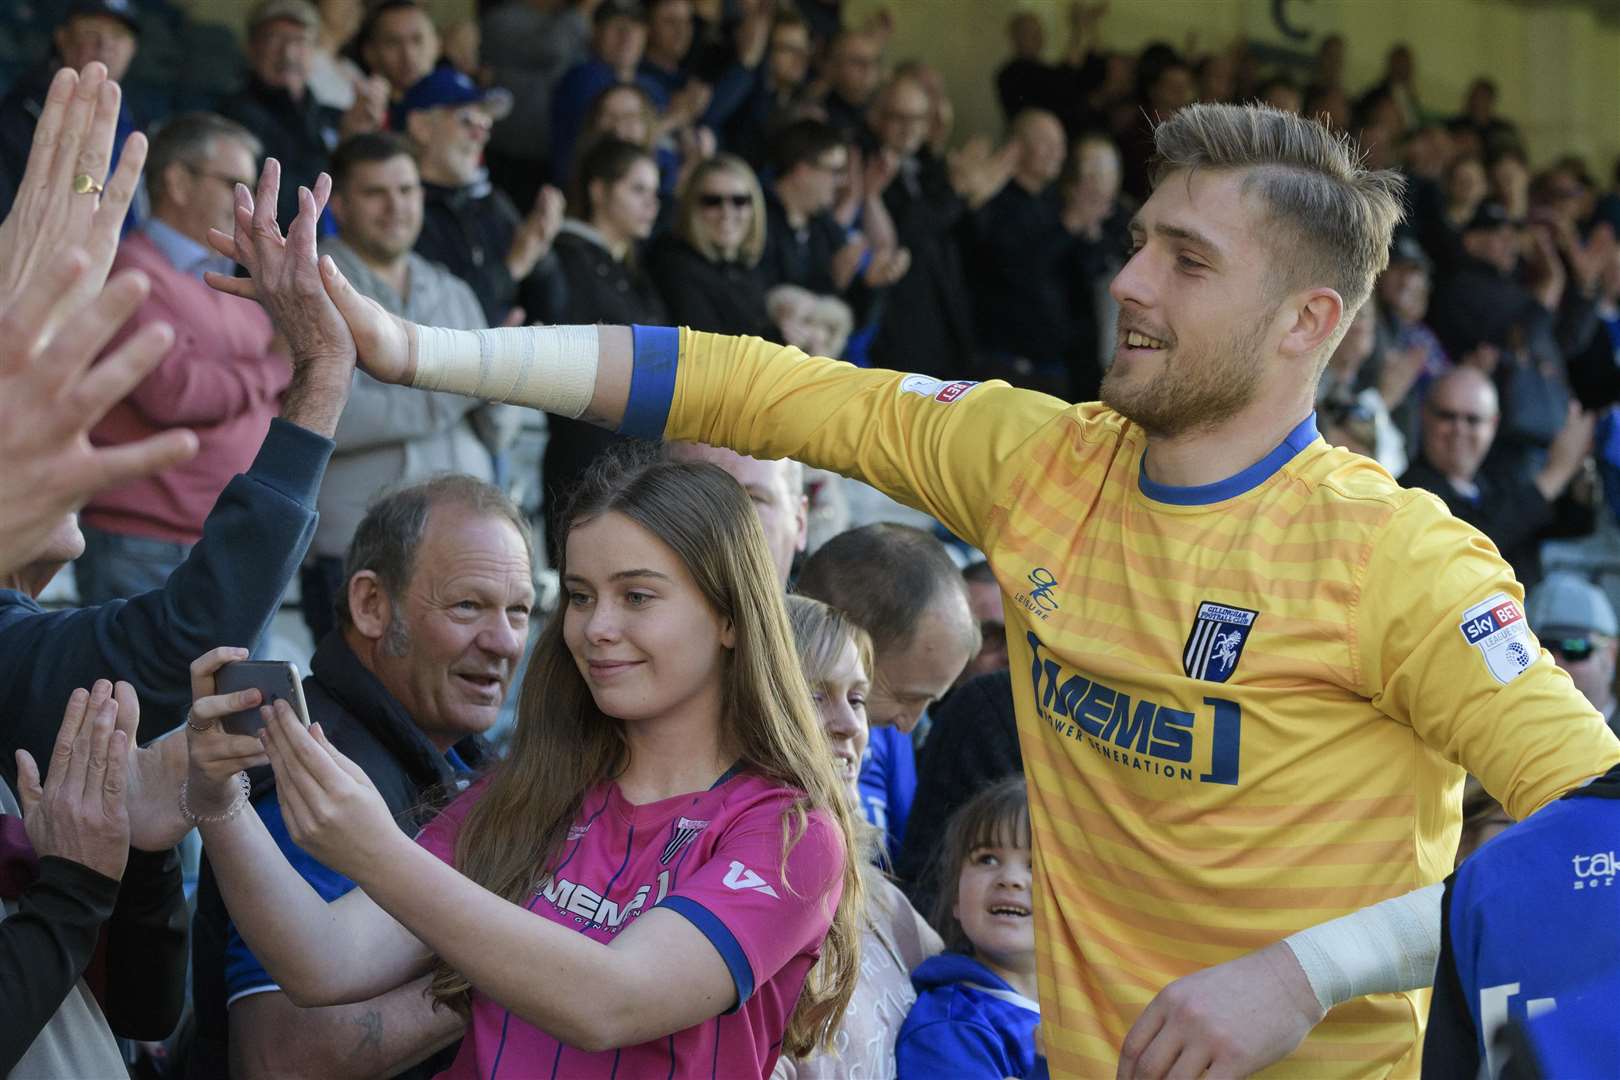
(836, 656)
(658, 880)
(707, 266)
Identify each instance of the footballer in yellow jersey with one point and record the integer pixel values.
(1249, 668)
(1244, 708)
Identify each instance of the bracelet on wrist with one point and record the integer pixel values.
(229, 812)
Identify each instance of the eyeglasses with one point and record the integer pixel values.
(474, 118)
(1573, 649)
(1448, 416)
(230, 181)
(714, 202)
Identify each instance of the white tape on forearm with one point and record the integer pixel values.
(552, 368)
(1381, 949)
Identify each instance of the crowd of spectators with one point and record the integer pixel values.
(754, 167)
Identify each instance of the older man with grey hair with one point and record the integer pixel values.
(432, 621)
(223, 378)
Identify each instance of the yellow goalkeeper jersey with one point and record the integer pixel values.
(1244, 708)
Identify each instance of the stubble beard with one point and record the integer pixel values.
(1193, 391)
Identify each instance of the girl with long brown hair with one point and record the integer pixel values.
(657, 881)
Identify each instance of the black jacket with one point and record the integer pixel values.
(469, 231)
(1061, 89)
(800, 257)
(718, 297)
(927, 322)
(972, 744)
(1510, 511)
(47, 945)
(299, 134)
(369, 725)
(1022, 263)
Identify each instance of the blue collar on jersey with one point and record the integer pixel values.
(1233, 486)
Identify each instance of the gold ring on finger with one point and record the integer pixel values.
(85, 184)
(190, 723)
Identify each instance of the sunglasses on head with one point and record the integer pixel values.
(714, 202)
(1574, 649)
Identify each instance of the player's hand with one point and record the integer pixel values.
(1229, 1020)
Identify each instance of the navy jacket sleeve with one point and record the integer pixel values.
(45, 947)
(225, 593)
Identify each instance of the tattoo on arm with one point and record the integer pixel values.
(370, 1024)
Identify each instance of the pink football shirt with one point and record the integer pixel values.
(713, 857)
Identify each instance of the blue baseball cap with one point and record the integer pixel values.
(445, 86)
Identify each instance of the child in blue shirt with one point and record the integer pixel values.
(976, 1013)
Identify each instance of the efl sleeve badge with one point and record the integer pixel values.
(1496, 627)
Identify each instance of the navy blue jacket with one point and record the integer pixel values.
(1531, 923)
(967, 1023)
(225, 593)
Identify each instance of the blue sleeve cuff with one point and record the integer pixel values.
(292, 460)
(652, 380)
(723, 940)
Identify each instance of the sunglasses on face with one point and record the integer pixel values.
(714, 202)
(1572, 649)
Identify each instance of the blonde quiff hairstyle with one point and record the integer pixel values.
(1331, 219)
(564, 745)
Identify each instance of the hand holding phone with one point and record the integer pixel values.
(273, 679)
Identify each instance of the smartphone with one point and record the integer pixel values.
(273, 679)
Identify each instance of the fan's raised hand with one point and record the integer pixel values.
(322, 317)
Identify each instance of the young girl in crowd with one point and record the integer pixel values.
(837, 659)
(976, 1012)
(645, 886)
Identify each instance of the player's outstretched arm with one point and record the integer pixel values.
(1236, 1018)
(579, 372)
(951, 449)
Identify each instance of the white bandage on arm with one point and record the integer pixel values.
(1382, 949)
(551, 368)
